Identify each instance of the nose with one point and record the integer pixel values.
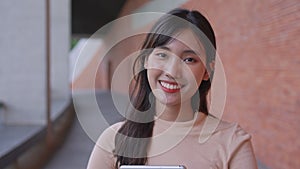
(173, 68)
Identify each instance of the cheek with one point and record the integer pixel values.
(153, 63)
(196, 76)
(152, 75)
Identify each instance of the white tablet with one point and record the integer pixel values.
(152, 167)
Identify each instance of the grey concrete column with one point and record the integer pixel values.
(60, 49)
(23, 56)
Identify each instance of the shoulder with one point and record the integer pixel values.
(102, 154)
(110, 131)
(232, 135)
(232, 131)
(240, 152)
(231, 127)
(222, 131)
(106, 139)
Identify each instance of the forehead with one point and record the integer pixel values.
(187, 39)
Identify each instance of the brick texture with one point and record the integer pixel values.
(258, 42)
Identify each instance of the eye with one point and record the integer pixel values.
(160, 54)
(189, 60)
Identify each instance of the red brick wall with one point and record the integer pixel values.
(258, 42)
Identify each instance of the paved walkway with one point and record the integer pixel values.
(76, 150)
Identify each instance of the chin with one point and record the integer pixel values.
(169, 102)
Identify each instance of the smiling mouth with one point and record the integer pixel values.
(170, 87)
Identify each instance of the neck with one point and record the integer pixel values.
(180, 113)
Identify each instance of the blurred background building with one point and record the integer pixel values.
(258, 43)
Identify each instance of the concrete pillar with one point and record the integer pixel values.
(23, 58)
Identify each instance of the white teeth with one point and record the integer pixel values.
(169, 86)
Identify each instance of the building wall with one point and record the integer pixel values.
(23, 58)
(21, 43)
(258, 42)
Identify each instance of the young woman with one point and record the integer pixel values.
(175, 69)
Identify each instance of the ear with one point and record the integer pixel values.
(211, 67)
(146, 63)
(206, 75)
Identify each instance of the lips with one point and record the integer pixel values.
(170, 87)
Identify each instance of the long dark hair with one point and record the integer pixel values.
(132, 140)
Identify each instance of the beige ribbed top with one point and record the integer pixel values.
(177, 143)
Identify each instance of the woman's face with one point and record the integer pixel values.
(175, 70)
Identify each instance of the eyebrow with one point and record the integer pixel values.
(185, 51)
